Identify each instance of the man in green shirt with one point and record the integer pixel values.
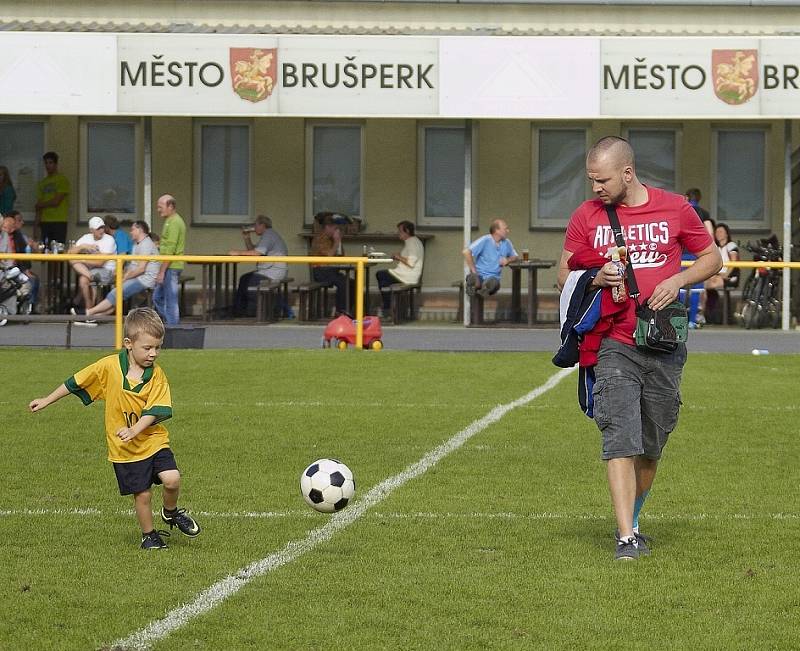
(173, 242)
(52, 203)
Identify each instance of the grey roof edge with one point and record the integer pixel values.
(158, 27)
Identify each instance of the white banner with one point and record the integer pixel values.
(552, 78)
(724, 77)
(262, 75)
(519, 77)
(55, 74)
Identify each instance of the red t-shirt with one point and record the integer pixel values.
(655, 234)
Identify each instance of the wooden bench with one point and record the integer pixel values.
(272, 296)
(69, 319)
(312, 301)
(404, 301)
(476, 305)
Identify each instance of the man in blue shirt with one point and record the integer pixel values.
(486, 258)
(123, 240)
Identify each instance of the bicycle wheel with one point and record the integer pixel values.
(749, 314)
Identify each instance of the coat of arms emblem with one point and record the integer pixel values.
(253, 72)
(735, 75)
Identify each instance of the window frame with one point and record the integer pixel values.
(30, 215)
(678, 133)
(83, 187)
(740, 225)
(310, 125)
(199, 217)
(541, 223)
(445, 222)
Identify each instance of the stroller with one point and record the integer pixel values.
(15, 289)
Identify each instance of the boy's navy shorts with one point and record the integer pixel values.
(138, 476)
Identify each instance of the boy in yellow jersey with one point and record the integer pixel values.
(137, 399)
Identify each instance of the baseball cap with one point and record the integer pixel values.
(96, 222)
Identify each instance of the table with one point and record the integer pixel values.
(532, 302)
(56, 278)
(218, 289)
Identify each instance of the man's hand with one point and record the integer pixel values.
(665, 293)
(608, 276)
(160, 278)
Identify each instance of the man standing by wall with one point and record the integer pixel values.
(173, 242)
(52, 203)
(637, 391)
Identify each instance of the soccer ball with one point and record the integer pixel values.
(327, 485)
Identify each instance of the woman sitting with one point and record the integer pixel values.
(727, 277)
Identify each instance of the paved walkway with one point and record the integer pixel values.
(417, 336)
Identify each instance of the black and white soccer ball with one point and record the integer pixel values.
(327, 485)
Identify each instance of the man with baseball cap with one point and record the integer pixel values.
(99, 271)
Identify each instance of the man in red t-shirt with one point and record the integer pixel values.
(636, 391)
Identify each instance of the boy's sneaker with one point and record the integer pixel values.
(153, 540)
(641, 542)
(627, 549)
(186, 524)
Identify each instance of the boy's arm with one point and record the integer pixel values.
(37, 404)
(128, 433)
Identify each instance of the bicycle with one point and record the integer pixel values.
(761, 305)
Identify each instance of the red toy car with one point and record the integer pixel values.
(341, 332)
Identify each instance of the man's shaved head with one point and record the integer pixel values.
(614, 149)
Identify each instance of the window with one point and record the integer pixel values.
(334, 169)
(656, 155)
(740, 192)
(441, 175)
(559, 174)
(223, 180)
(21, 149)
(110, 167)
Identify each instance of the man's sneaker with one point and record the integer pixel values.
(470, 284)
(153, 540)
(89, 323)
(627, 549)
(642, 542)
(185, 523)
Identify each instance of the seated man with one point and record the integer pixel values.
(408, 269)
(329, 243)
(102, 272)
(120, 235)
(139, 275)
(269, 243)
(486, 258)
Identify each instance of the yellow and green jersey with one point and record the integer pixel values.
(126, 402)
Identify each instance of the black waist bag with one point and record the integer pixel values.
(661, 330)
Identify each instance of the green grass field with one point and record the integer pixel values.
(505, 543)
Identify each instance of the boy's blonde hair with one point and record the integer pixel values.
(143, 319)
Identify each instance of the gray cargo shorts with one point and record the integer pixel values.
(636, 398)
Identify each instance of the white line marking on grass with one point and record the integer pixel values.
(230, 585)
(417, 515)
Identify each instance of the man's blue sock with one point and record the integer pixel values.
(637, 506)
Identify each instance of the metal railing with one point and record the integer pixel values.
(359, 263)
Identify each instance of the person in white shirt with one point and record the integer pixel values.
(408, 269)
(95, 241)
(139, 275)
